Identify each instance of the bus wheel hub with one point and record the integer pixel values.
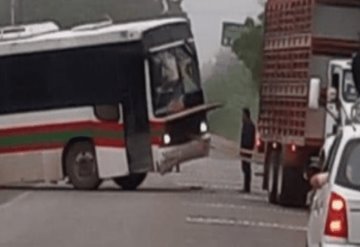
(85, 164)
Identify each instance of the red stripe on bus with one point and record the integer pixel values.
(157, 141)
(62, 127)
(29, 148)
(157, 125)
(47, 146)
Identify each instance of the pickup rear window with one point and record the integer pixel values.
(349, 170)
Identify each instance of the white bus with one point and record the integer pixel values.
(99, 101)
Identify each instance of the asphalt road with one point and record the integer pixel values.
(200, 207)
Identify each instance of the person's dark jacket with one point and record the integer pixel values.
(248, 136)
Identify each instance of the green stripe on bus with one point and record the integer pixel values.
(16, 139)
(64, 136)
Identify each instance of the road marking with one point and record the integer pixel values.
(223, 187)
(241, 223)
(14, 200)
(219, 182)
(245, 207)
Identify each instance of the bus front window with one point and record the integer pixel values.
(174, 75)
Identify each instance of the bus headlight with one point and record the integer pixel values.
(167, 139)
(204, 127)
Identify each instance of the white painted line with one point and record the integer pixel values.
(224, 187)
(21, 196)
(241, 223)
(14, 200)
(234, 184)
(245, 207)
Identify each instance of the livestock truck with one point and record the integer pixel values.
(306, 42)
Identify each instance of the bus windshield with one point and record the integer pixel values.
(349, 91)
(175, 75)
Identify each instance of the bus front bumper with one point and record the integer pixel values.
(173, 156)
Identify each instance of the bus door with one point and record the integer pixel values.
(137, 134)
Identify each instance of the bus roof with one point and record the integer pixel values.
(83, 36)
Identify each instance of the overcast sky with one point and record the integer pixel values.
(207, 17)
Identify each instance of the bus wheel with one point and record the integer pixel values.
(81, 166)
(130, 182)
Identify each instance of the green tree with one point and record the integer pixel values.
(248, 48)
(230, 83)
(236, 84)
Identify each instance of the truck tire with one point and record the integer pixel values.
(130, 182)
(81, 166)
(295, 188)
(275, 169)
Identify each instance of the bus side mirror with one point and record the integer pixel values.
(314, 93)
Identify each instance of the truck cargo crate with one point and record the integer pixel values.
(301, 37)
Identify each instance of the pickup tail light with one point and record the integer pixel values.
(336, 222)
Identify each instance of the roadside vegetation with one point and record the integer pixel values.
(235, 80)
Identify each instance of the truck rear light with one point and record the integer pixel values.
(258, 143)
(274, 145)
(293, 148)
(336, 222)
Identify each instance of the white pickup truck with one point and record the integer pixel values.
(335, 207)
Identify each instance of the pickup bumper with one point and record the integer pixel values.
(173, 156)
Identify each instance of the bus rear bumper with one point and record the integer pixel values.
(170, 157)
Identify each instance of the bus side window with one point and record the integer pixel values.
(107, 112)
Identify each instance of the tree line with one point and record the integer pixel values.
(236, 82)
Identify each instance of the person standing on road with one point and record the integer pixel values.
(247, 144)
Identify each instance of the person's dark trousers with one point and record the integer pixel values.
(246, 168)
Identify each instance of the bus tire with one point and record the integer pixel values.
(130, 182)
(81, 166)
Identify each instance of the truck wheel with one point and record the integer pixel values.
(295, 188)
(275, 178)
(130, 182)
(81, 166)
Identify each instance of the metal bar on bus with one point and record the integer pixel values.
(170, 45)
